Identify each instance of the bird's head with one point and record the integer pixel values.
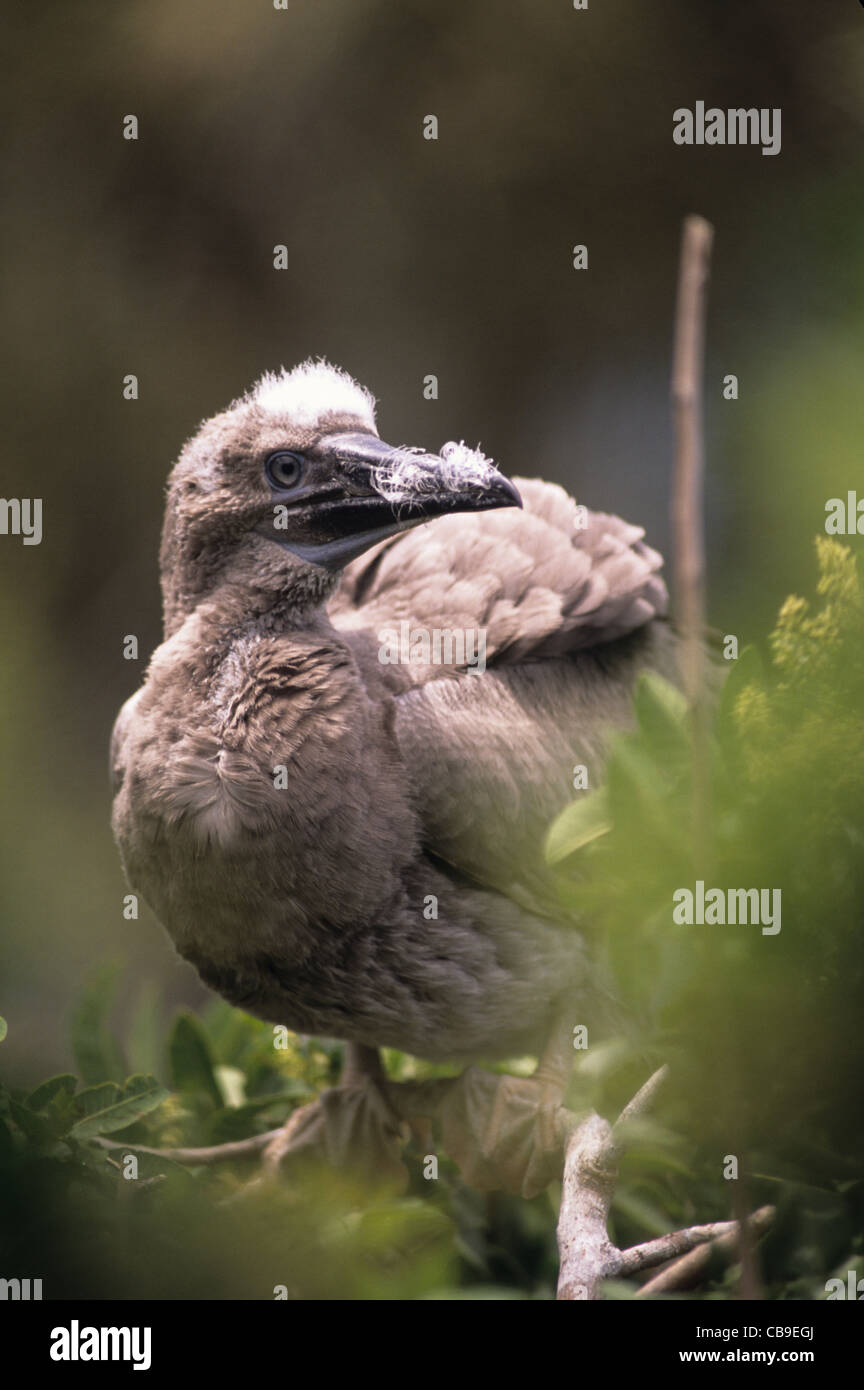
(279, 492)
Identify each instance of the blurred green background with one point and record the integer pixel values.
(406, 257)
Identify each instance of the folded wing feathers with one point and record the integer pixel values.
(544, 582)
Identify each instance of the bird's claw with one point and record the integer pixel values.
(353, 1128)
(504, 1132)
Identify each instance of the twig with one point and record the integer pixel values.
(586, 1252)
(656, 1252)
(216, 1153)
(687, 371)
(687, 513)
(689, 1269)
(643, 1099)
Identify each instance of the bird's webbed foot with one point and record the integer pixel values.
(507, 1133)
(353, 1127)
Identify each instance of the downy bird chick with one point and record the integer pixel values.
(351, 846)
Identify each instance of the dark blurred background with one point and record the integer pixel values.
(406, 257)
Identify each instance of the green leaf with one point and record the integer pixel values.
(229, 1032)
(56, 1102)
(577, 825)
(191, 1060)
(3, 1029)
(96, 1053)
(97, 1098)
(7, 1143)
(139, 1096)
(64, 1084)
(634, 780)
(36, 1127)
(144, 1038)
(662, 711)
(653, 693)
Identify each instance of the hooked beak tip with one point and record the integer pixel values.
(508, 492)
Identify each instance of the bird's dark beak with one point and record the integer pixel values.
(362, 490)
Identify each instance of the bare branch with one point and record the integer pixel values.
(643, 1099)
(687, 372)
(216, 1153)
(656, 1252)
(687, 513)
(590, 1168)
(586, 1253)
(687, 1271)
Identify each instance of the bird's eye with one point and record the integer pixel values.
(285, 469)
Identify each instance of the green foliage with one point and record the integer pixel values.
(577, 825)
(110, 1107)
(96, 1052)
(191, 1061)
(760, 1030)
(67, 1201)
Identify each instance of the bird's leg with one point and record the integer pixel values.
(508, 1131)
(363, 1070)
(555, 1064)
(354, 1126)
(362, 1064)
(552, 1077)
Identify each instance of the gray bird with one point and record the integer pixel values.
(331, 802)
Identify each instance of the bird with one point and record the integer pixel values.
(341, 831)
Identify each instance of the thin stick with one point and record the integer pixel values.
(216, 1153)
(687, 372)
(643, 1099)
(656, 1252)
(687, 516)
(689, 1270)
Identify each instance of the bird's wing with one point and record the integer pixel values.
(492, 759)
(544, 582)
(493, 755)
